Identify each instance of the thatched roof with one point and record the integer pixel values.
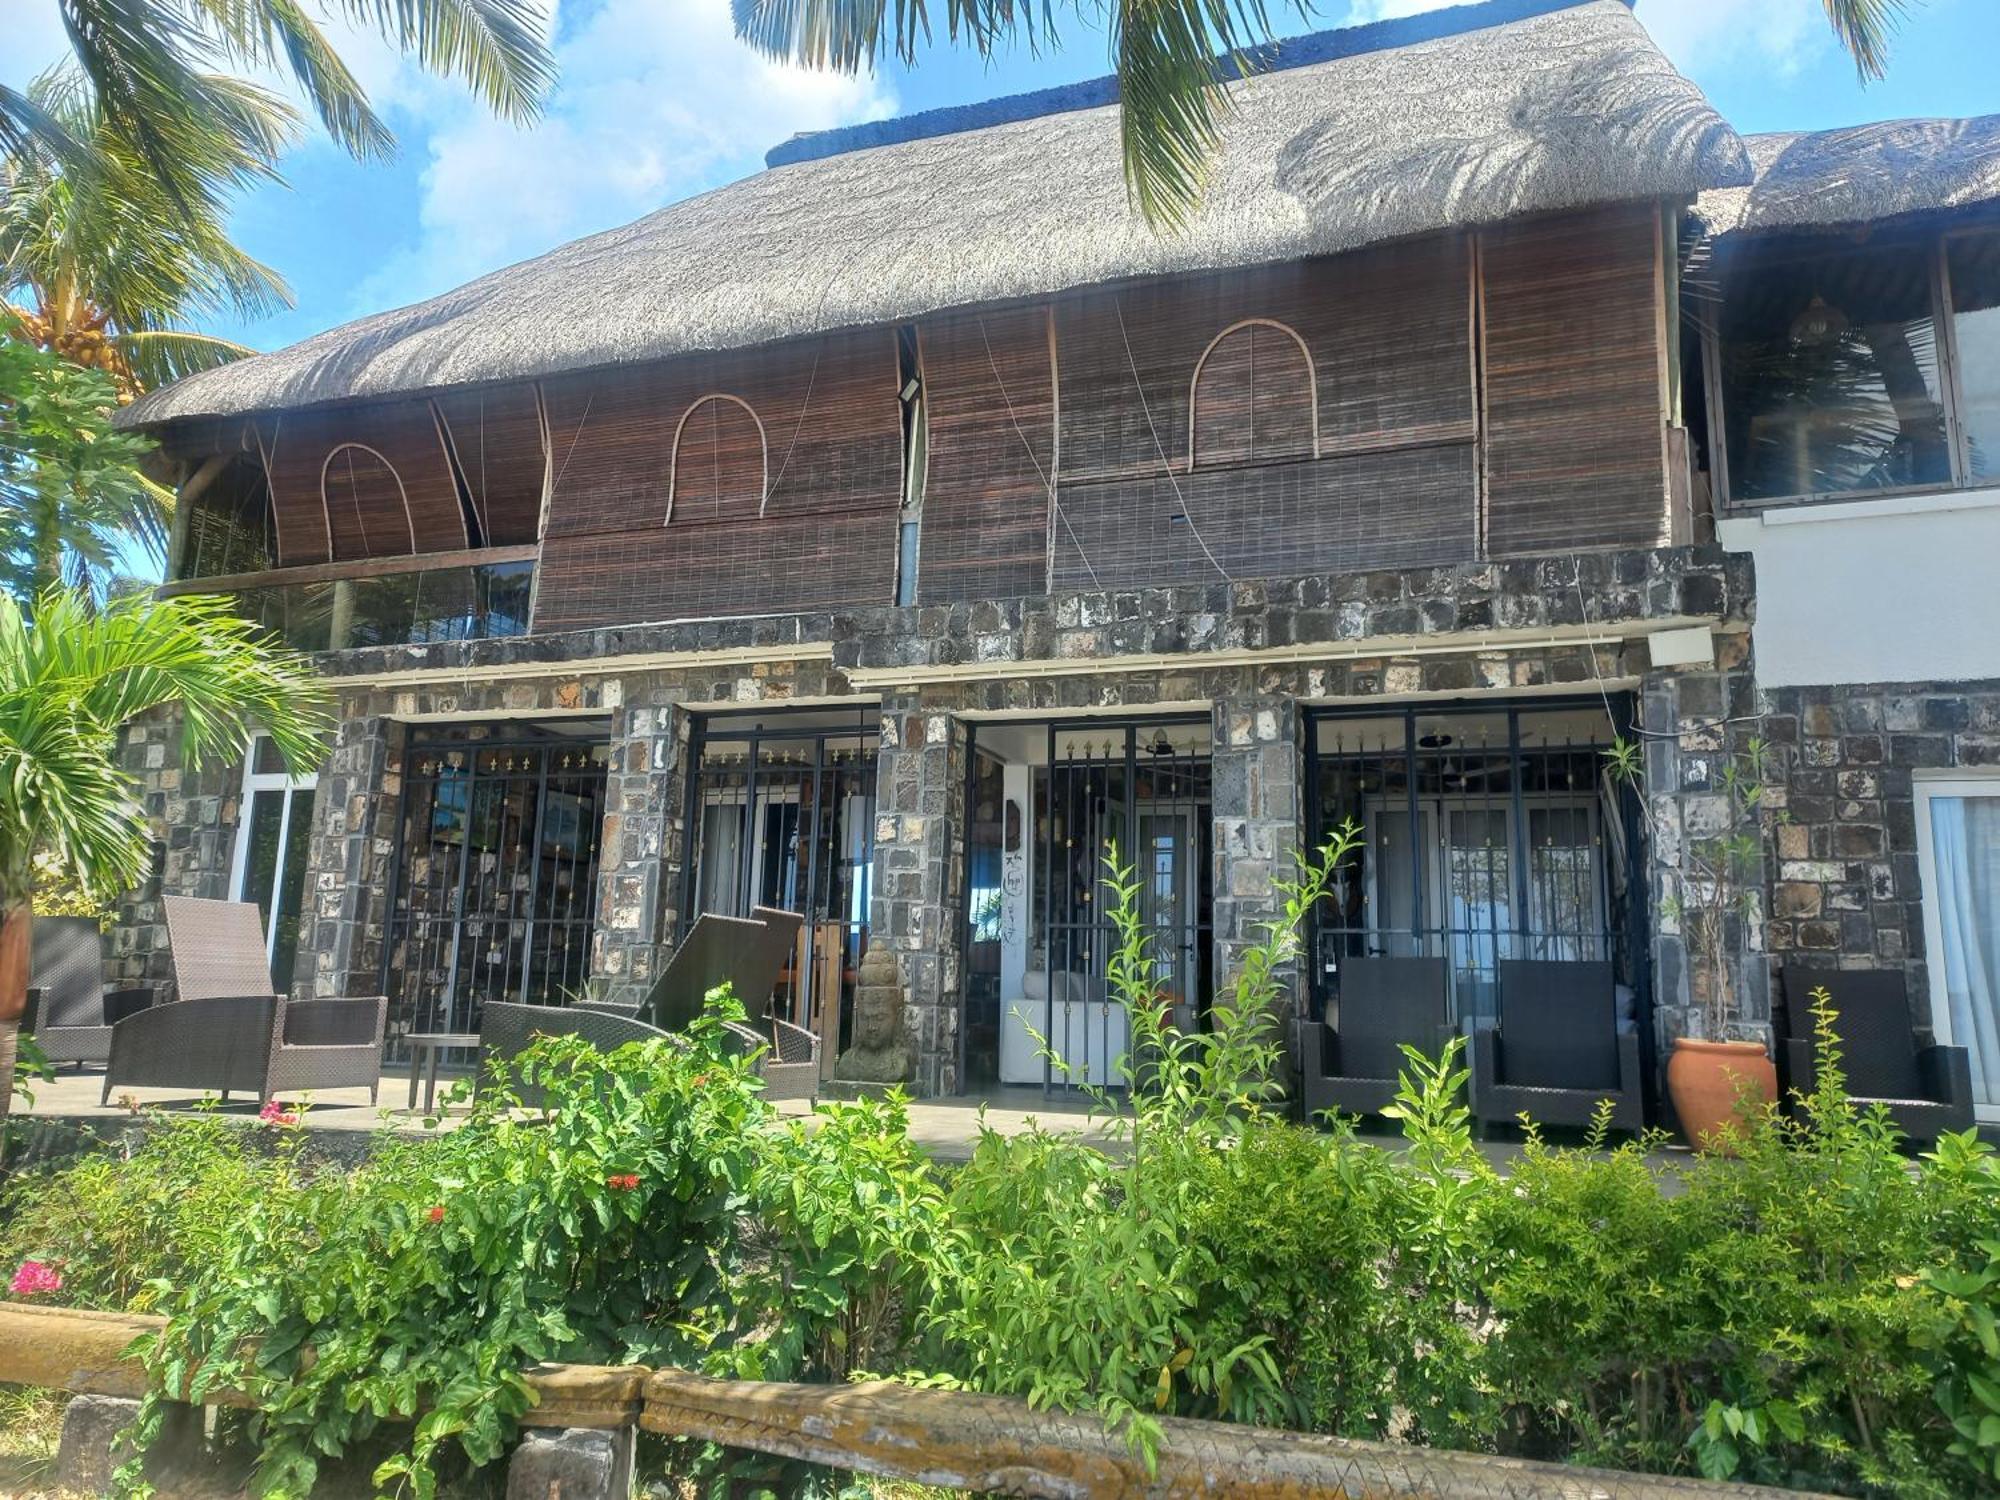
(1509, 107)
(1828, 178)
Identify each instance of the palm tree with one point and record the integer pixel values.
(72, 494)
(69, 682)
(1173, 95)
(101, 266)
(153, 67)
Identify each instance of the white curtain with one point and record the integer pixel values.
(1965, 843)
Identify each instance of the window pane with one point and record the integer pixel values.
(1830, 376)
(1975, 298)
(1965, 885)
(291, 890)
(260, 869)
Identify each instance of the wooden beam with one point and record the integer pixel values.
(365, 567)
(999, 1445)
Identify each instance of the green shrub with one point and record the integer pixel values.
(603, 1229)
(117, 1219)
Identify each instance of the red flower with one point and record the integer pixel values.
(623, 1182)
(436, 1214)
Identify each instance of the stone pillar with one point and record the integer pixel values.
(1692, 721)
(920, 876)
(640, 860)
(92, 1446)
(572, 1463)
(192, 817)
(1259, 808)
(350, 860)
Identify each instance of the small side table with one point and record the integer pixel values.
(425, 1046)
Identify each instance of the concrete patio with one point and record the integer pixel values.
(945, 1128)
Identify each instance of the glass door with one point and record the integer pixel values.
(270, 862)
(1958, 846)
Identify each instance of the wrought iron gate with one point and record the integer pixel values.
(781, 811)
(495, 890)
(1490, 832)
(1139, 786)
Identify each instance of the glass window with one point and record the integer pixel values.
(1975, 299)
(272, 844)
(1958, 828)
(1829, 373)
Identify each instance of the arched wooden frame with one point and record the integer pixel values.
(763, 449)
(1312, 377)
(402, 493)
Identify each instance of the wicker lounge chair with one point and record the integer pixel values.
(1889, 1060)
(1352, 1059)
(743, 953)
(1559, 1048)
(74, 1012)
(227, 1033)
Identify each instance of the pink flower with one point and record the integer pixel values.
(34, 1278)
(274, 1113)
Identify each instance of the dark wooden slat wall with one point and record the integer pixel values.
(1574, 414)
(833, 434)
(720, 464)
(366, 507)
(1253, 399)
(1403, 509)
(1571, 439)
(497, 434)
(1389, 334)
(405, 435)
(989, 394)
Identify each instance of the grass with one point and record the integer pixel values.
(30, 1424)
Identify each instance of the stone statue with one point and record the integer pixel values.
(877, 1054)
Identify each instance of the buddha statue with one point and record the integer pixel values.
(876, 1054)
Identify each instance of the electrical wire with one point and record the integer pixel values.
(1048, 484)
(1187, 512)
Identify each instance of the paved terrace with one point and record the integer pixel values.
(947, 1129)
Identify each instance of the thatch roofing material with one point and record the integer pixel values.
(1553, 111)
(1828, 178)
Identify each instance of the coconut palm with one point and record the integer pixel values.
(73, 498)
(152, 66)
(1164, 51)
(69, 683)
(99, 265)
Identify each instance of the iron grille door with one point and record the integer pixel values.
(496, 878)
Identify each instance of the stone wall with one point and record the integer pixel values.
(1846, 888)
(1495, 629)
(920, 874)
(192, 815)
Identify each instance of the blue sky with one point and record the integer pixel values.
(657, 101)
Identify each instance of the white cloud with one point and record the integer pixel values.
(1782, 36)
(657, 100)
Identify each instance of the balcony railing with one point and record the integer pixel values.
(452, 596)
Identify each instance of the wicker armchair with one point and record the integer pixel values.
(743, 953)
(72, 1019)
(1889, 1060)
(1353, 1059)
(244, 1040)
(1559, 1048)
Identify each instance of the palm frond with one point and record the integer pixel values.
(1864, 28)
(270, 33)
(158, 355)
(497, 47)
(73, 678)
(138, 56)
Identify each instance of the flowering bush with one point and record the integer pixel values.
(274, 1113)
(34, 1278)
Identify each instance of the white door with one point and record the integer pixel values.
(1958, 847)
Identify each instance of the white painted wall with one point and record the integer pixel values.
(1903, 589)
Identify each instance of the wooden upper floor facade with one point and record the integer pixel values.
(1466, 394)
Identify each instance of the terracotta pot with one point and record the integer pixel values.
(14, 963)
(1705, 1081)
